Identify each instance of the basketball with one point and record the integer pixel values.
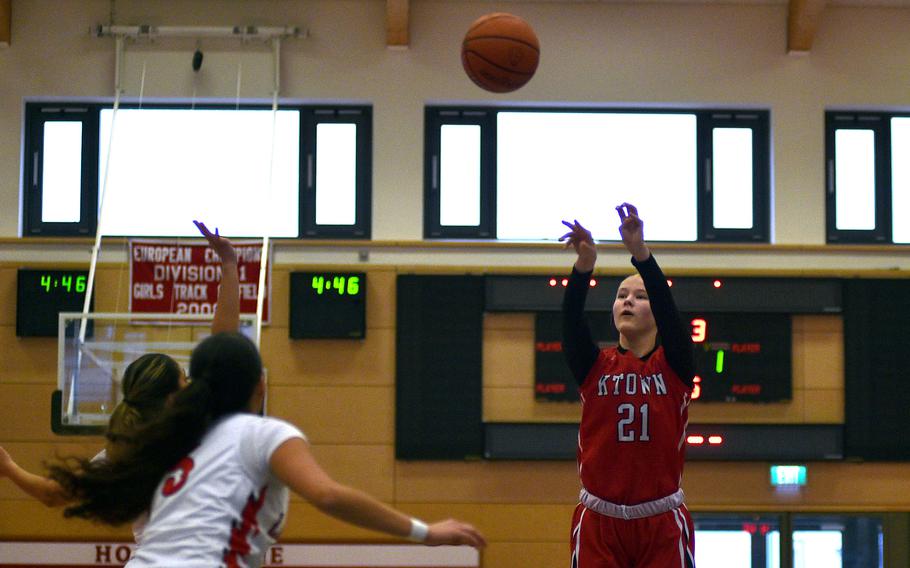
(500, 52)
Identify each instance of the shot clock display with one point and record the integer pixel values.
(739, 357)
(42, 294)
(328, 305)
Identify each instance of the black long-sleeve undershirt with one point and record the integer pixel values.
(579, 348)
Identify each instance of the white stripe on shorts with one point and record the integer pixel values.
(577, 535)
(685, 533)
(682, 545)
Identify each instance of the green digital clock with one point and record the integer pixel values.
(41, 296)
(66, 282)
(328, 305)
(340, 284)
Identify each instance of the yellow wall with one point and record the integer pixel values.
(341, 393)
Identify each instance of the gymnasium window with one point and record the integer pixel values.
(513, 173)
(305, 175)
(867, 156)
(790, 540)
(740, 540)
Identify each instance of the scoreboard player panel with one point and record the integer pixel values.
(739, 357)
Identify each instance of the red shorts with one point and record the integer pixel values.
(662, 541)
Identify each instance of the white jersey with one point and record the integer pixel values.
(220, 506)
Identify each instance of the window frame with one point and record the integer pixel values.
(435, 116)
(879, 123)
(434, 119)
(336, 114)
(37, 113)
(36, 116)
(761, 175)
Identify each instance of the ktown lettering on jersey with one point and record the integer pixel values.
(631, 384)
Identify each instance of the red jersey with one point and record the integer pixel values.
(631, 441)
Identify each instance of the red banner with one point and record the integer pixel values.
(183, 278)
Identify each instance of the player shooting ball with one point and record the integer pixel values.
(635, 398)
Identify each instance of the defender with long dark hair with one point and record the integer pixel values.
(215, 475)
(147, 385)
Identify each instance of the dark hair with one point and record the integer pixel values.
(147, 383)
(224, 371)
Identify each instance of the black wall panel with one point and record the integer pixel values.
(439, 374)
(876, 345)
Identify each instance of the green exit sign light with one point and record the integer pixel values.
(788, 475)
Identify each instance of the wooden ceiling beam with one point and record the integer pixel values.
(396, 23)
(6, 22)
(802, 24)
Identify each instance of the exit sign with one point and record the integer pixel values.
(788, 475)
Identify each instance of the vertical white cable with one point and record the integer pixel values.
(142, 84)
(264, 257)
(96, 247)
(239, 77)
(263, 262)
(99, 230)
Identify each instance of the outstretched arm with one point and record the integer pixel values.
(293, 463)
(43, 489)
(674, 336)
(227, 309)
(578, 346)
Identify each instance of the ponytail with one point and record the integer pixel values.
(224, 371)
(147, 383)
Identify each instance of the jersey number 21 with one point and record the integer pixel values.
(625, 428)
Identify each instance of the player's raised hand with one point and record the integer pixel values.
(227, 308)
(454, 532)
(631, 230)
(581, 240)
(219, 244)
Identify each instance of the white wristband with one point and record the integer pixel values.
(419, 531)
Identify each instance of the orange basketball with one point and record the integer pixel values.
(500, 52)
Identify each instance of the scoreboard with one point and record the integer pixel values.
(739, 357)
(741, 328)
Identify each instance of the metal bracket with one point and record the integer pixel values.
(246, 34)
